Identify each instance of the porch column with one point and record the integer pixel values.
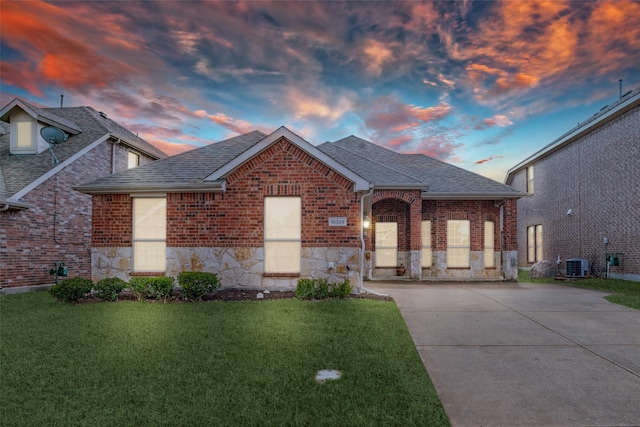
(415, 242)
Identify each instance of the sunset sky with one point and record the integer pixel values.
(481, 85)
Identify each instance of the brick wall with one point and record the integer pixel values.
(57, 228)
(597, 178)
(235, 218)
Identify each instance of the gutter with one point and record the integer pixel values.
(471, 196)
(200, 187)
(13, 204)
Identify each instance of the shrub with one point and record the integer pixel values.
(108, 289)
(151, 287)
(196, 284)
(341, 290)
(321, 288)
(71, 289)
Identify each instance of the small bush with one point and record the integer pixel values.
(71, 289)
(108, 289)
(341, 290)
(151, 287)
(321, 288)
(196, 284)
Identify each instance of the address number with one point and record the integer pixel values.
(338, 221)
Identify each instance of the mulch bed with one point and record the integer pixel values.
(229, 295)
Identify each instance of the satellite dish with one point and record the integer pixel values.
(53, 135)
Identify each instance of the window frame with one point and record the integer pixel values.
(129, 157)
(530, 179)
(426, 256)
(452, 248)
(489, 245)
(389, 261)
(274, 266)
(534, 243)
(140, 238)
(19, 123)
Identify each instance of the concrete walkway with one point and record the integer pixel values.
(517, 354)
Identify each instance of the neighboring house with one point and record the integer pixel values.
(583, 201)
(263, 210)
(42, 219)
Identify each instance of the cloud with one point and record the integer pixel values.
(499, 120)
(235, 125)
(376, 56)
(479, 162)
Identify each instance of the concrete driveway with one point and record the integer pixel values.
(518, 354)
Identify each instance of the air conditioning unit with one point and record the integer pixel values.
(577, 267)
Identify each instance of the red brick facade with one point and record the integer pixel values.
(58, 226)
(596, 177)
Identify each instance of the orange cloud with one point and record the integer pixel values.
(497, 120)
(235, 125)
(377, 55)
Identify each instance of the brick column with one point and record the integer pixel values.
(415, 243)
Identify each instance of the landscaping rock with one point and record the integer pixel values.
(260, 295)
(543, 269)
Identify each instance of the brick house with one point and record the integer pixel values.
(42, 220)
(583, 198)
(263, 210)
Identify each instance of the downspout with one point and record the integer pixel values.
(362, 288)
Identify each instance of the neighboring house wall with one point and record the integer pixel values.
(224, 232)
(596, 177)
(57, 228)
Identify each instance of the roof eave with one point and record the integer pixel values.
(426, 195)
(208, 187)
(412, 186)
(132, 144)
(578, 132)
(8, 110)
(9, 204)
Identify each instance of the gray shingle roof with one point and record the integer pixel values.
(18, 171)
(377, 165)
(387, 168)
(183, 170)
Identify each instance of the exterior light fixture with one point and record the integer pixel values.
(366, 223)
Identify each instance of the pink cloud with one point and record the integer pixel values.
(499, 120)
(235, 125)
(479, 162)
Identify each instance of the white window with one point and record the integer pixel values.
(489, 246)
(530, 180)
(133, 159)
(386, 244)
(23, 134)
(282, 234)
(149, 234)
(425, 234)
(458, 243)
(534, 243)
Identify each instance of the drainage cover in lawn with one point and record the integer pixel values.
(327, 374)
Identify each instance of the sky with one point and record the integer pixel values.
(478, 84)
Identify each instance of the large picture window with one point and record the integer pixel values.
(489, 246)
(425, 236)
(149, 234)
(386, 244)
(458, 243)
(282, 234)
(534, 243)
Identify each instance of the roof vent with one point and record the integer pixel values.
(103, 115)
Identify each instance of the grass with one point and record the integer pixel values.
(217, 363)
(625, 292)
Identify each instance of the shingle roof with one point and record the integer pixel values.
(381, 167)
(183, 170)
(18, 171)
(386, 168)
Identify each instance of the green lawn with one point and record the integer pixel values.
(216, 363)
(625, 292)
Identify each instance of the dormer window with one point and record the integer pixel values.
(23, 134)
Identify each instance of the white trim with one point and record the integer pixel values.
(360, 184)
(34, 184)
(148, 195)
(577, 132)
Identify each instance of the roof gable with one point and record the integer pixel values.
(39, 114)
(360, 184)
